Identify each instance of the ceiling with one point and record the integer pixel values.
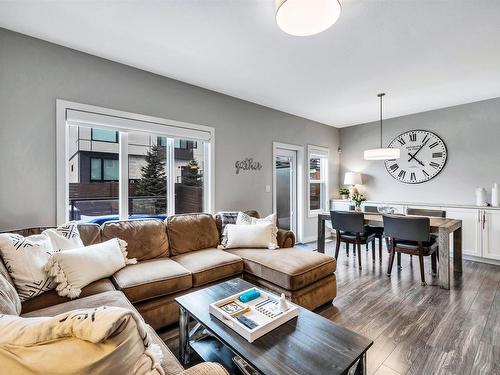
(424, 54)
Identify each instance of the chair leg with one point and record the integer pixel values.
(422, 271)
(347, 248)
(387, 244)
(373, 251)
(359, 254)
(434, 264)
(337, 248)
(380, 248)
(390, 263)
(399, 261)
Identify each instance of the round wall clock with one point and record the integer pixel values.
(423, 156)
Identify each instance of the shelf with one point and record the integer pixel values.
(212, 350)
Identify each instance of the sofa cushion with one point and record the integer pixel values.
(146, 238)
(210, 265)
(51, 298)
(190, 232)
(113, 298)
(291, 268)
(152, 278)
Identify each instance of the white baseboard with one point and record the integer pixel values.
(482, 260)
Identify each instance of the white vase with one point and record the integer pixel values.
(481, 197)
(495, 195)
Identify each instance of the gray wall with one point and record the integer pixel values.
(34, 73)
(471, 133)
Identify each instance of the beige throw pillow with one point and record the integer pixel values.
(24, 259)
(65, 237)
(259, 236)
(73, 269)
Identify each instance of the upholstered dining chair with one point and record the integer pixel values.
(411, 235)
(350, 229)
(379, 231)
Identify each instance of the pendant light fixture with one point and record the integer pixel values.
(382, 153)
(306, 17)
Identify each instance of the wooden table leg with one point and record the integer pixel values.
(444, 258)
(321, 235)
(457, 250)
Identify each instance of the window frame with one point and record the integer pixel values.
(124, 123)
(323, 153)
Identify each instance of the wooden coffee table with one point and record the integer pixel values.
(308, 344)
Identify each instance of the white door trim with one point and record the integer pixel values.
(300, 184)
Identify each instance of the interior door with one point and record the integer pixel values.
(286, 188)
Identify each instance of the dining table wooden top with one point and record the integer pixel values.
(377, 219)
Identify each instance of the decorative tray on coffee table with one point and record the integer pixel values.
(254, 318)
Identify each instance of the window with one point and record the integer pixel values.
(318, 179)
(104, 135)
(103, 169)
(138, 172)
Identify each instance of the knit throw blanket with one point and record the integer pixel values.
(103, 340)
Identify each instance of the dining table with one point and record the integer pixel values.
(443, 227)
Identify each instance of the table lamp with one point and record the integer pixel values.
(353, 179)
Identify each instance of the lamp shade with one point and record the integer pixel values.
(382, 154)
(352, 178)
(306, 17)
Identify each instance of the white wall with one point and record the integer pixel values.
(34, 73)
(471, 133)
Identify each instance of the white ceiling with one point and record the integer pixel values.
(424, 54)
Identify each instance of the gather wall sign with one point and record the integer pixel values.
(247, 164)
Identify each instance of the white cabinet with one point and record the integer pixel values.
(491, 234)
(471, 228)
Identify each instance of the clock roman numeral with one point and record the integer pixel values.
(413, 137)
(434, 165)
(394, 167)
(402, 174)
(425, 138)
(437, 154)
(412, 176)
(425, 173)
(434, 144)
(402, 141)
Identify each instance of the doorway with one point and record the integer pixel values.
(286, 193)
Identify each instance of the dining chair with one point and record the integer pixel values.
(411, 235)
(379, 231)
(350, 229)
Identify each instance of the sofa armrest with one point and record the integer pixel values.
(206, 368)
(285, 238)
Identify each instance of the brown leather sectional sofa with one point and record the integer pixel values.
(180, 255)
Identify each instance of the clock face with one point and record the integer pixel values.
(423, 156)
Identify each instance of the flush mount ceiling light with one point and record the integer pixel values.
(382, 153)
(306, 17)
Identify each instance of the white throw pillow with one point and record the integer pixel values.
(24, 258)
(243, 219)
(259, 236)
(73, 269)
(65, 237)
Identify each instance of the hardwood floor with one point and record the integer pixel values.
(420, 330)
(416, 330)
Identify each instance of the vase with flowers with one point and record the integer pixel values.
(357, 199)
